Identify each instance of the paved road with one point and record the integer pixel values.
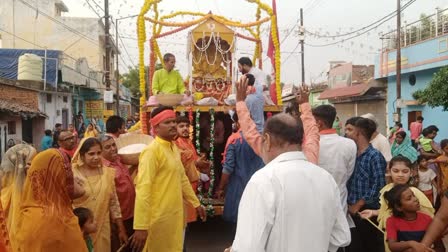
(212, 236)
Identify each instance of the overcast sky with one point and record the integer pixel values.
(326, 17)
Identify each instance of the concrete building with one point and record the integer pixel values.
(354, 92)
(424, 52)
(315, 92)
(40, 25)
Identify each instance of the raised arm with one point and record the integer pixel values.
(248, 127)
(438, 224)
(310, 145)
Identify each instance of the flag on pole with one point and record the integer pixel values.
(271, 55)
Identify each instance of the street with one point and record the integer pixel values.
(212, 236)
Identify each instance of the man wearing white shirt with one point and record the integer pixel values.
(290, 205)
(245, 66)
(337, 155)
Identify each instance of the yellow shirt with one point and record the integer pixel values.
(167, 82)
(161, 186)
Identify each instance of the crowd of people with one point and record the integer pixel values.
(289, 182)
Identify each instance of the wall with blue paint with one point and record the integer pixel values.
(434, 116)
(419, 53)
(420, 56)
(86, 94)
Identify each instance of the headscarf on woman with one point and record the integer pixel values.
(46, 221)
(404, 149)
(13, 174)
(100, 197)
(91, 132)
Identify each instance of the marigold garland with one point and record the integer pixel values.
(176, 24)
(257, 36)
(179, 13)
(277, 59)
(276, 43)
(239, 24)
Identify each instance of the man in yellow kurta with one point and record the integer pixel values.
(167, 80)
(161, 187)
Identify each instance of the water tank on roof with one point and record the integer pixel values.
(30, 67)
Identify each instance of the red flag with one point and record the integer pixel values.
(271, 55)
(271, 50)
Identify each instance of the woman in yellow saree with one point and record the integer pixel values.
(46, 222)
(100, 196)
(4, 237)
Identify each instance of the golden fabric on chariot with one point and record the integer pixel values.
(208, 62)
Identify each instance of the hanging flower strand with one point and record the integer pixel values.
(198, 149)
(212, 151)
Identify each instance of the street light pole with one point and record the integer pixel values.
(302, 46)
(107, 45)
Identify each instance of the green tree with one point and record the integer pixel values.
(131, 79)
(436, 93)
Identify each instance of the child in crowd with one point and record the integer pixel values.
(427, 141)
(87, 223)
(427, 179)
(406, 228)
(400, 171)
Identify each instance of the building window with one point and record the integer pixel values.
(412, 79)
(57, 11)
(65, 99)
(49, 98)
(11, 128)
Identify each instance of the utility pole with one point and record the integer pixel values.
(117, 74)
(398, 62)
(14, 24)
(108, 48)
(302, 45)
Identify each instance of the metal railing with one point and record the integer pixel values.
(425, 28)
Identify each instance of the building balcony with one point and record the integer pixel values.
(424, 46)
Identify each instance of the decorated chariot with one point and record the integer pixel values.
(212, 71)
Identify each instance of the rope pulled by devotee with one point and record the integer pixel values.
(125, 244)
(371, 222)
